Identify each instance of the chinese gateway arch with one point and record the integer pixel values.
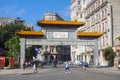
(58, 32)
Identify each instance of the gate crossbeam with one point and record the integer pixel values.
(58, 42)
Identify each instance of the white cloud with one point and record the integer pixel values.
(21, 11)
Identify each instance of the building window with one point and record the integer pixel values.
(107, 40)
(106, 25)
(51, 49)
(102, 1)
(46, 47)
(102, 27)
(103, 14)
(97, 28)
(103, 42)
(100, 42)
(98, 2)
(94, 29)
(81, 16)
(78, 2)
(89, 10)
(93, 7)
(52, 18)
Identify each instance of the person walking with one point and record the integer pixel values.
(55, 63)
(24, 66)
(34, 68)
(67, 67)
(85, 65)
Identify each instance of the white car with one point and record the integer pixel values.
(78, 63)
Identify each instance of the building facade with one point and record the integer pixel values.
(51, 16)
(78, 14)
(103, 16)
(8, 20)
(100, 16)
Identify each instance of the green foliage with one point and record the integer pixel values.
(118, 38)
(30, 51)
(109, 54)
(16, 65)
(8, 31)
(13, 46)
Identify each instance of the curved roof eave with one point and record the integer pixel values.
(89, 34)
(34, 33)
(59, 22)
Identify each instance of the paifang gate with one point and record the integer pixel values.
(58, 32)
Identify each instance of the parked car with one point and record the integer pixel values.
(45, 62)
(78, 63)
(85, 64)
(59, 62)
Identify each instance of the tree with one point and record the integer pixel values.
(13, 47)
(109, 54)
(118, 38)
(8, 31)
(31, 51)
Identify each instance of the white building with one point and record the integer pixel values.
(6, 20)
(103, 16)
(78, 13)
(100, 16)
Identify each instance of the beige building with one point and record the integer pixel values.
(78, 14)
(100, 16)
(103, 16)
(8, 20)
(78, 11)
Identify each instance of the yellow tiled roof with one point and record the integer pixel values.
(60, 22)
(89, 34)
(30, 33)
(41, 33)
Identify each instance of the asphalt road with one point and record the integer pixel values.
(59, 74)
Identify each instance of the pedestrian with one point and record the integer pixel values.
(55, 63)
(24, 66)
(67, 67)
(85, 65)
(34, 68)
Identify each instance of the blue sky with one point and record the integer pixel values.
(32, 10)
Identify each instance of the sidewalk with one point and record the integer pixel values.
(111, 70)
(20, 71)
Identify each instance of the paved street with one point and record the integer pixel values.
(59, 74)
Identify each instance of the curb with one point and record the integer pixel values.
(21, 71)
(106, 70)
